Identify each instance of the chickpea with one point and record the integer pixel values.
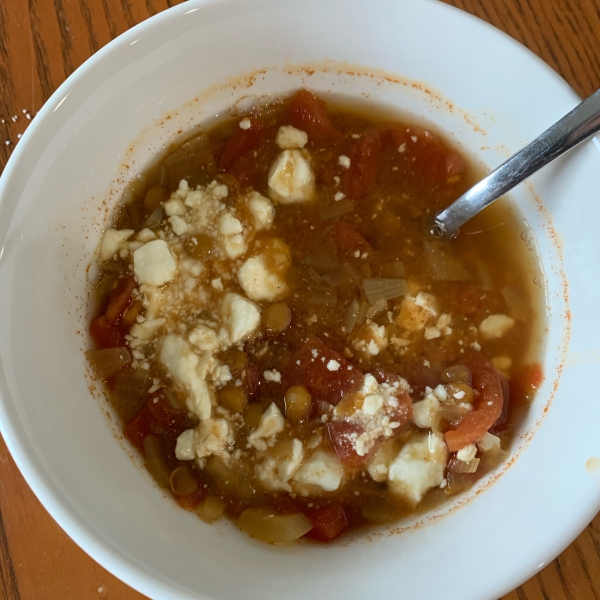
(298, 404)
(183, 482)
(456, 373)
(252, 416)
(154, 196)
(235, 359)
(198, 246)
(233, 398)
(459, 391)
(277, 317)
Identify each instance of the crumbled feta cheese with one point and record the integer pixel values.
(204, 338)
(495, 326)
(229, 225)
(262, 210)
(339, 196)
(148, 329)
(291, 178)
(431, 333)
(112, 241)
(175, 208)
(322, 470)
(272, 375)
(262, 277)
(475, 345)
(379, 465)
(371, 339)
(270, 425)
(426, 412)
(372, 404)
(344, 161)
(178, 225)
(185, 446)
(279, 466)
(188, 371)
(212, 436)
(289, 137)
(241, 317)
(440, 393)
(245, 123)
(154, 264)
(333, 365)
(416, 312)
(444, 321)
(145, 235)
(488, 442)
(419, 466)
(217, 284)
(402, 148)
(467, 453)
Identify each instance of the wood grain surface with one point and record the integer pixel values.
(41, 43)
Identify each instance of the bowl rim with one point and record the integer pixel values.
(87, 537)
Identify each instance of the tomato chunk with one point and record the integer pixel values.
(339, 434)
(404, 411)
(487, 381)
(309, 113)
(329, 522)
(240, 143)
(137, 429)
(309, 368)
(364, 154)
(348, 240)
(525, 382)
(120, 298)
(105, 334)
(164, 420)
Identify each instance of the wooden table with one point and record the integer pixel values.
(41, 43)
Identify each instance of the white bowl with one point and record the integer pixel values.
(98, 131)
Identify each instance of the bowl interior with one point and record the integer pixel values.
(98, 132)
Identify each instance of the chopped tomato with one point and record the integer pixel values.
(105, 334)
(339, 433)
(503, 418)
(166, 420)
(244, 170)
(525, 382)
(404, 411)
(120, 299)
(427, 153)
(308, 367)
(329, 522)
(309, 113)
(364, 153)
(240, 143)
(488, 408)
(137, 429)
(191, 501)
(348, 240)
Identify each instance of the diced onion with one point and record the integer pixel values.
(107, 362)
(351, 271)
(338, 209)
(386, 289)
(377, 307)
(351, 314)
(155, 461)
(273, 528)
(155, 219)
(320, 295)
(128, 389)
(321, 261)
(393, 269)
(461, 466)
(442, 264)
(362, 312)
(333, 278)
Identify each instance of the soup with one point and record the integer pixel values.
(285, 343)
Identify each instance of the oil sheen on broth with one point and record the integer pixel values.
(285, 344)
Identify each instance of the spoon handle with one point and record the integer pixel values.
(582, 122)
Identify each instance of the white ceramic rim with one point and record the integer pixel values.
(125, 567)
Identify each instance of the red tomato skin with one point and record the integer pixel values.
(308, 367)
(364, 153)
(348, 240)
(120, 298)
(309, 113)
(329, 523)
(105, 334)
(137, 429)
(242, 142)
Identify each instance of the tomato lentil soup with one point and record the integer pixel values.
(284, 342)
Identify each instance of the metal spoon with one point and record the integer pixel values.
(575, 127)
